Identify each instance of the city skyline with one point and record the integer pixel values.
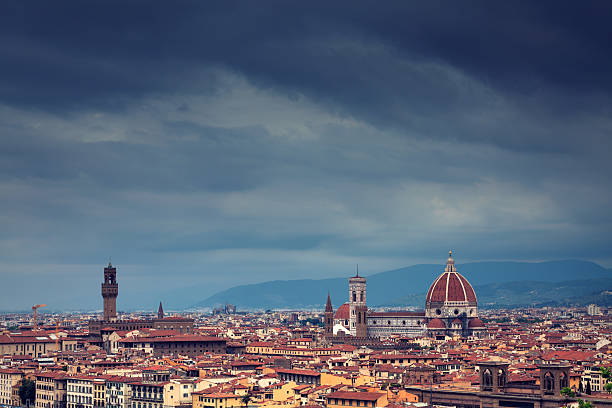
(275, 204)
(206, 146)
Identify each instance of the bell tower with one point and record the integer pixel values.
(329, 318)
(358, 308)
(110, 289)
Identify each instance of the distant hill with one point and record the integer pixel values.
(505, 281)
(532, 293)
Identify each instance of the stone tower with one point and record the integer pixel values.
(329, 318)
(553, 378)
(110, 289)
(358, 308)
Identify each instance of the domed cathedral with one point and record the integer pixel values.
(451, 307)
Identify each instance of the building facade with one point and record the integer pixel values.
(202, 399)
(10, 379)
(33, 346)
(186, 345)
(51, 390)
(99, 392)
(118, 393)
(80, 393)
(147, 395)
(178, 392)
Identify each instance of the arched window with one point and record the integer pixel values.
(501, 378)
(563, 380)
(487, 378)
(549, 382)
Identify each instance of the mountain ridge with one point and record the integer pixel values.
(388, 287)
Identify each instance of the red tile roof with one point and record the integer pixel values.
(298, 372)
(343, 312)
(360, 396)
(451, 287)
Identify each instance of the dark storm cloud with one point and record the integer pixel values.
(239, 142)
(212, 161)
(361, 59)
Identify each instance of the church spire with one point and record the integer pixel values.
(160, 311)
(328, 306)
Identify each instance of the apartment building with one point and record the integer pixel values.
(10, 380)
(79, 392)
(51, 390)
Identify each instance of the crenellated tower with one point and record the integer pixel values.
(110, 290)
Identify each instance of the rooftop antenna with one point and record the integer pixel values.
(357, 270)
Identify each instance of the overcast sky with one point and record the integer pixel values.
(205, 145)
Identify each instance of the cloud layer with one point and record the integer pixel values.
(204, 146)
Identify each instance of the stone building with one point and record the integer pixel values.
(80, 392)
(497, 391)
(185, 345)
(98, 329)
(10, 379)
(451, 308)
(51, 390)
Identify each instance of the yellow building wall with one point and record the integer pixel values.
(402, 396)
(381, 402)
(216, 402)
(331, 380)
(284, 393)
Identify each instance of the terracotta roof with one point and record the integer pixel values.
(299, 372)
(182, 338)
(436, 324)
(400, 313)
(343, 312)
(451, 287)
(475, 322)
(361, 396)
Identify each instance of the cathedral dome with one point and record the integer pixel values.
(475, 323)
(436, 324)
(343, 312)
(451, 287)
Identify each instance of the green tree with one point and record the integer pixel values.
(588, 387)
(584, 404)
(608, 387)
(246, 398)
(567, 391)
(605, 372)
(27, 391)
